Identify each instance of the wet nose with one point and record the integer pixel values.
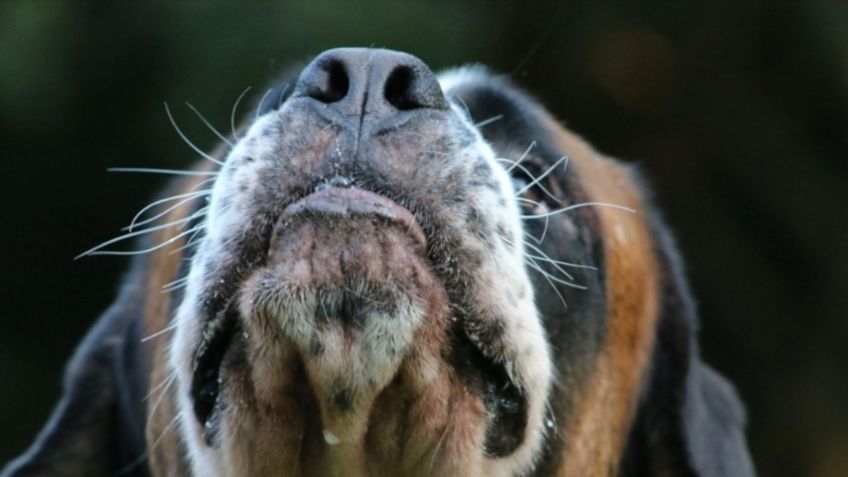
(370, 84)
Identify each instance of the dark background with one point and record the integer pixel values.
(736, 111)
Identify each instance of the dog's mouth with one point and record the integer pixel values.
(352, 268)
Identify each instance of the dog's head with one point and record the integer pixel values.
(394, 273)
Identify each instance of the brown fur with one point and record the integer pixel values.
(603, 412)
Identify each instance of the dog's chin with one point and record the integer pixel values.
(346, 293)
(344, 350)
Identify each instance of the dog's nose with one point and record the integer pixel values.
(370, 83)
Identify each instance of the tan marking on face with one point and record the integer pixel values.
(604, 408)
(161, 434)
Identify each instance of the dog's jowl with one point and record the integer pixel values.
(391, 272)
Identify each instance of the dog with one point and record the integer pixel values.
(393, 272)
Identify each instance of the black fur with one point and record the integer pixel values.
(98, 426)
(690, 421)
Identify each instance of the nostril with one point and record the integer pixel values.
(330, 83)
(400, 89)
(379, 83)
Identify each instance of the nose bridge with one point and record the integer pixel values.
(370, 84)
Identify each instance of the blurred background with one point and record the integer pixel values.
(737, 111)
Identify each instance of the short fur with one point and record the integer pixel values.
(608, 372)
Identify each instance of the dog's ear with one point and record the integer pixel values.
(690, 421)
(94, 430)
(713, 422)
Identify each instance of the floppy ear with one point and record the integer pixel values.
(95, 428)
(713, 419)
(690, 420)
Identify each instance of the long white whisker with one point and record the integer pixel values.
(161, 332)
(233, 113)
(187, 197)
(532, 177)
(135, 234)
(557, 264)
(167, 429)
(162, 384)
(438, 448)
(147, 250)
(543, 175)
(208, 124)
(551, 276)
(523, 156)
(486, 122)
(176, 284)
(261, 102)
(283, 95)
(464, 106)
(186, 140)
(189, 243)
(169, 381)
(541, 238)
(153, 170)
(577, 206)
(548, 259)
(545, 258)
(547, 278)
(203, 183)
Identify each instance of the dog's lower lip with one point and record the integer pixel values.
(355, 202)
(215, 340)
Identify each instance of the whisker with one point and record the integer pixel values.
(161, 332)
(491, 120)
(233, 113)
(261, 101)
(577, 206)
(167, 429)
(283, 95)
(162, 384)
(550, 420)
(547, 278)
(545, 258)
(524, 155)
(153, 170)
(203, 183)
(547, 221)
(136, 233)
(144, 455)
(146, 250)
(187, 197)
(552, 261)
(464, 106)
(186, 139)
(543, 175)
(189, 243)
(208, 124)
(556, 279)
(532, 177)
(557, 264)
(170, 380)
(173, 285)
(438, 153)
(438, 448)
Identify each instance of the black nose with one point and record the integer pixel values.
(370, 83)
